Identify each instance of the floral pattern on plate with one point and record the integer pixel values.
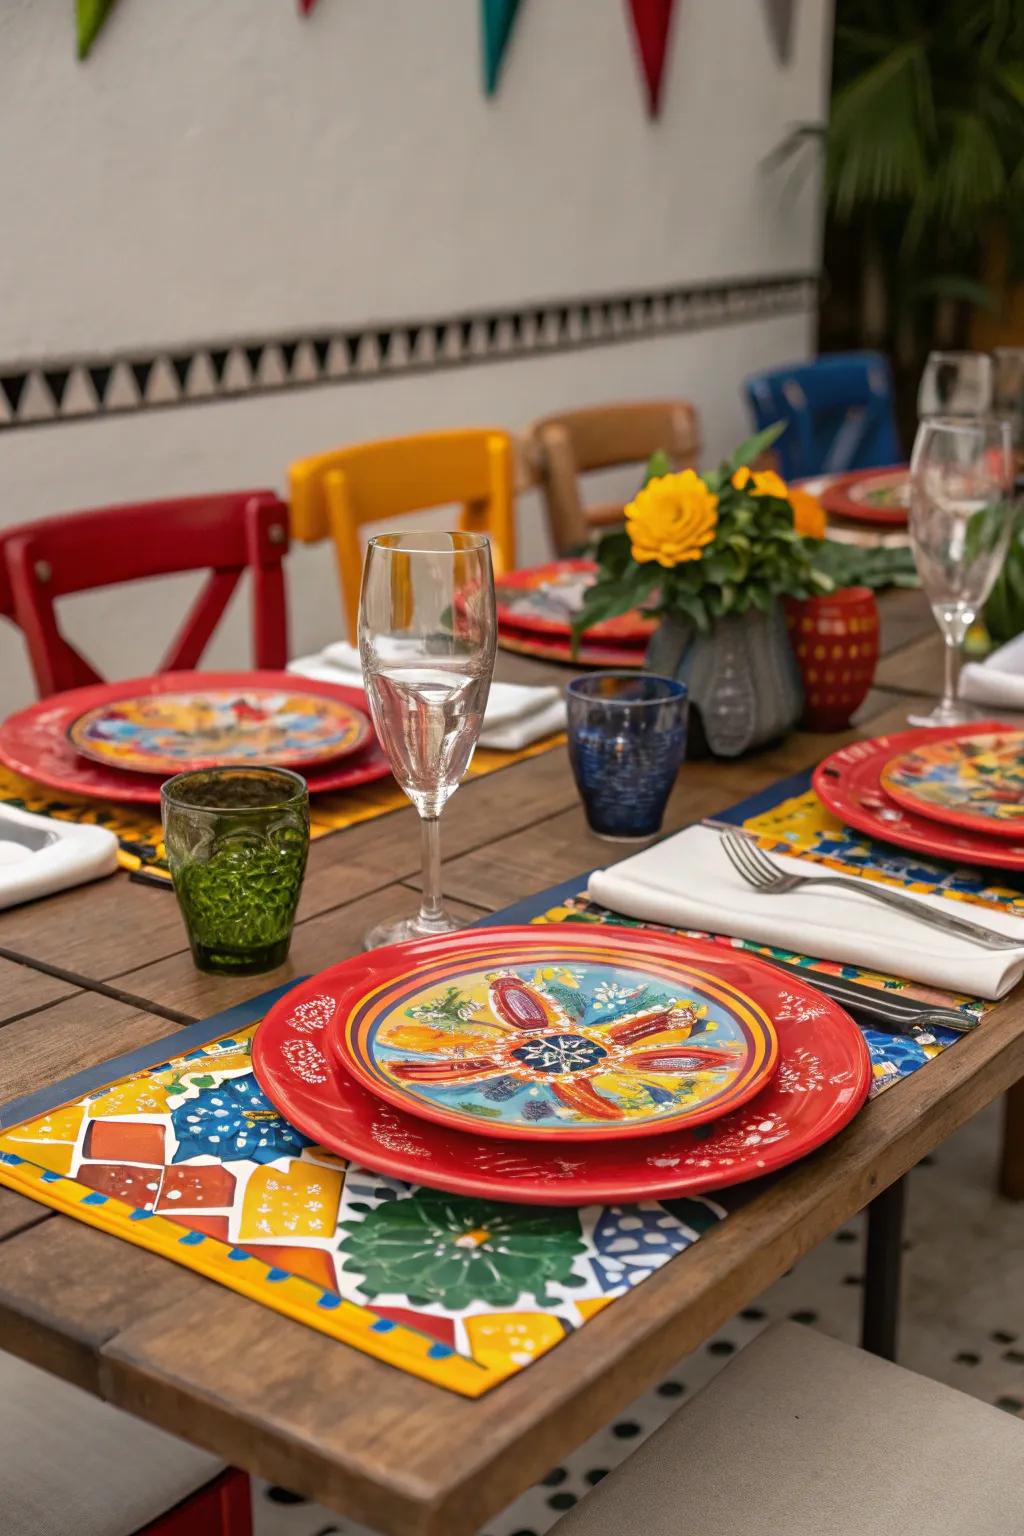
(973, 781)
(165, 732)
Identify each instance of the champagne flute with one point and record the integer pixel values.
(955, 384)
(427, 635)
(961, 519)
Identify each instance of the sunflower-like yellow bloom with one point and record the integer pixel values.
(672, 519)
(808, 514)
(760, 482)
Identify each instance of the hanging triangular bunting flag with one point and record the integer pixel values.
(89, 18)
(652, 22)
(305, 6)
(780, 27)
(497, 19)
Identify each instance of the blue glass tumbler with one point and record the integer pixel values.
(627, 738)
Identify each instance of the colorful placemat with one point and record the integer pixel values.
(137, 828)
(175, 1148)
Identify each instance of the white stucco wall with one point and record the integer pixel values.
(220, 171)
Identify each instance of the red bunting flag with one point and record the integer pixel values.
(305, 6)
(652, 23)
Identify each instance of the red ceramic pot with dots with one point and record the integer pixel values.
(836, 643)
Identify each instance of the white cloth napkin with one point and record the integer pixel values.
(516, 715)
(687, 882)
(999, 679)
(39, 856)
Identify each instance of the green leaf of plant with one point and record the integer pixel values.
(658, 464)
(753, 447)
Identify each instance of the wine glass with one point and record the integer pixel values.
(961, 518)
(427, 635)
(955, 384)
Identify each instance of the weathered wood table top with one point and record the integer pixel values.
(96, 971)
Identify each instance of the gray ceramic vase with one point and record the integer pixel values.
(743, 679)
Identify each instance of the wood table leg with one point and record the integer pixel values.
(1011, 1162)
(881, 1313)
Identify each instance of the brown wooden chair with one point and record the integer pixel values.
(574, 443)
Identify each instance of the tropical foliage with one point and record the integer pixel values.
(924, 157)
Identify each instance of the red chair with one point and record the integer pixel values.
(80, 551)
(222, 1508)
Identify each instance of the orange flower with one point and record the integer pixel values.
(765, 482)
(808, 514)
(672, 519)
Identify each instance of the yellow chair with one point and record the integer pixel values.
(334, 494)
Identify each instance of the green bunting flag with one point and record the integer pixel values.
(89, 18)
(497, 19)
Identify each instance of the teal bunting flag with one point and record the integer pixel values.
(89, 18)
(497, 19)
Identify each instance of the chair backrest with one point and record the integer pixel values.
(80, 551)
(574, 443)
(335, 494)
(838, 412)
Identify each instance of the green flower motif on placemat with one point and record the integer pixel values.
(453, 1251)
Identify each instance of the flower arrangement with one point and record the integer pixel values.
(698, 547)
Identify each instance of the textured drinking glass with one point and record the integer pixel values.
(955, 384)
(961, 518)
(237, 840)
(627, 738)
(427, 636)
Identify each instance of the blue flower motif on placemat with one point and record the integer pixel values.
(633, 1240)
(234, 1121)
(896, 1056)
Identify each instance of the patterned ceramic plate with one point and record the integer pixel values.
(871, 496)
(849, 783)
(544, 599)
(34, 741)
(973, 780)
(550, 1036)
(823, 1079)
(165, 730)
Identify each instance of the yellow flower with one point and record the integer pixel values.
(808, 514)
(766, 482)
(672, 519)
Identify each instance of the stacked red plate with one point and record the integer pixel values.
(870, 496)
(535, 609)
(120, 741)
(954, 793)
(563, 1064)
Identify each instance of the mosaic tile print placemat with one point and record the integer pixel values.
(137, 827)
(186, 1157)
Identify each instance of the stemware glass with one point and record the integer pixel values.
(427, 637)
(955, 384)
(961, 518)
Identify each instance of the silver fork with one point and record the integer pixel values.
(758, 870)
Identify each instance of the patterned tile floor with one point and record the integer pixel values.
(963, 1323)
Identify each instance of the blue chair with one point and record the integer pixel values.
(838, 412)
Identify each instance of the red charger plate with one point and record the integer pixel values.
(823, 1078)
(846, 497)
(34, 741)
(628, 657)
(849, 783)
(627, 629)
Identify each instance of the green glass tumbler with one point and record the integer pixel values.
(237, 841)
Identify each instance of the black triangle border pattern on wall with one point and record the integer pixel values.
(63, 389)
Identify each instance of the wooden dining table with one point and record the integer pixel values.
(96, 971)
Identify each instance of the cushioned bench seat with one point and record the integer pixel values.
(802, 1436)
(71, 1465)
